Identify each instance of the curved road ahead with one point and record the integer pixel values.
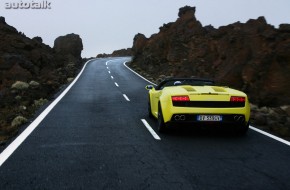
(95, 138)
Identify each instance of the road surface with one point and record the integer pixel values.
(95, 138)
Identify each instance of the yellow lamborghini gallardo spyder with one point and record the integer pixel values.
(194, 101)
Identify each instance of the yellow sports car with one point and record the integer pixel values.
(195, 102)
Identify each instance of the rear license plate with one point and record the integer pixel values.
(209, 118)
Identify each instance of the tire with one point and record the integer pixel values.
(242, 130)
(161, 125)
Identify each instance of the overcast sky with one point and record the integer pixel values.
(108, 25)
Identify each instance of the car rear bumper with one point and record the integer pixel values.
(230, 120)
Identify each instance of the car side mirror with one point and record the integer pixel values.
(149, 87)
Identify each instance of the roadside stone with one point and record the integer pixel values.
(40, 102)
(264, 110)
(19, 85)
(260, 119)
(22, 108)
(286, 109)
(273, 115)
(19, 120)
(288, 121)
(253, 107)
(34, 84)
(284, 131)
(18, 98)
(70, 80)
(281, 130)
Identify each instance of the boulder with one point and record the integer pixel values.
(2, 20)
(18, 121)
(70, 44)
(19, 85)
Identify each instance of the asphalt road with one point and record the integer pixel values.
(94, 138)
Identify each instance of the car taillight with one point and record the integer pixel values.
(180, 98)
(238, 99)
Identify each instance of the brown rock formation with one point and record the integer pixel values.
(70, 46)
(29, 61)
(252, 56)
(117, 53)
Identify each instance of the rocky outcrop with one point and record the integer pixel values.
(31, 71)
(117, 53)
(275, 120)
(252, 56)
(69, 46)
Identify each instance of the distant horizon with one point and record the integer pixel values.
(106, 26)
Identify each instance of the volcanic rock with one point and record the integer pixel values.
(70, 44)
(117, 53)
(2, 20)
(23, 61)
(253, 57)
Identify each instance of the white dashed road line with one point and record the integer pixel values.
(108, 62)
(126, 97)
(150, 129)
(251, 127)
(116, 84)
(112, 77)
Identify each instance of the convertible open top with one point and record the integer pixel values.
(185, 81)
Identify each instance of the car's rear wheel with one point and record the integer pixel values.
(161, 125)
(243, 129)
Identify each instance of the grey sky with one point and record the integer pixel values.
(108, 25)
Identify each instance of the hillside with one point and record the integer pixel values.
(253, 57)
(30, 73)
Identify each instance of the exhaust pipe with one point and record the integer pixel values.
(179, 117)
(239, 118)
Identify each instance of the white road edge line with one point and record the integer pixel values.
(20, 139)
(251, 127)
(126, 97)
(270, 135)
(138, 74)
(116, 84)
(150, 129)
